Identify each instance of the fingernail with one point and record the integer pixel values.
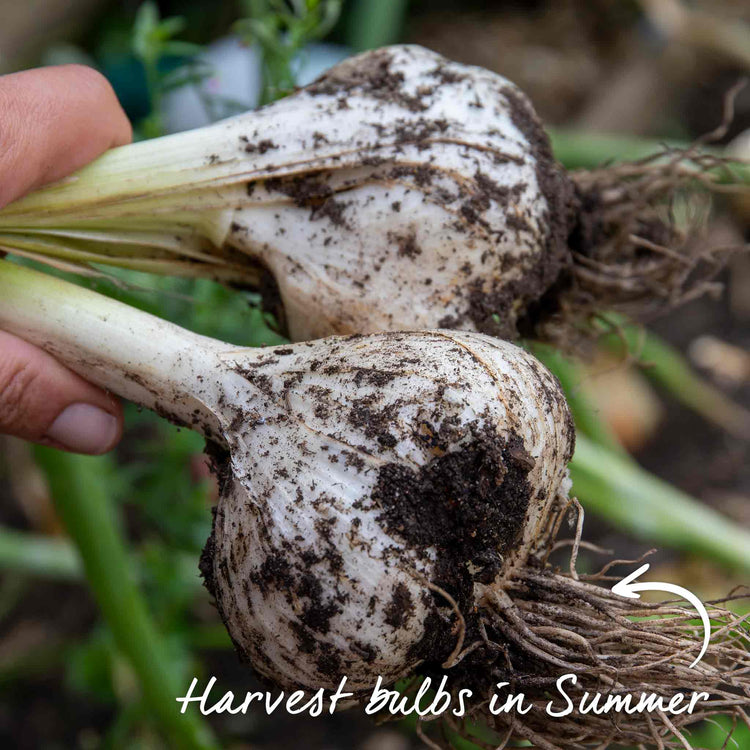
(83, 428)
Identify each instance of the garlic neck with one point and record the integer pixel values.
(147, 360)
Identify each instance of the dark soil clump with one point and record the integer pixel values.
(470, 504)
(463, 502)
(375, 79)
(493, 311)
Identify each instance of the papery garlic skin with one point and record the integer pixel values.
(399, 191)
(311, 580)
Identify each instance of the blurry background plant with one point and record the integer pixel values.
(101, 628)
(282, 30)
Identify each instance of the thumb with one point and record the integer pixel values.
(43, 401)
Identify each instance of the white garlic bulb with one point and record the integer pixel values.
(407, 191)
(358, 474)
(399, 191)
(364, 468)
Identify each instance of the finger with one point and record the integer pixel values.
(45, 402)
(53, 121)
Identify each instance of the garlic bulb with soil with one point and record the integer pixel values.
(359, 475)
(399, 191)
(387, 506)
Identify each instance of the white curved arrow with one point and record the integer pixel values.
(627, 588)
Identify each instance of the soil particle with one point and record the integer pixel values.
(258, 148)
(305, 191)
(445, 75)
(503, 195)
(387, 440)
(353, 460)
(333, 210)
(471, 211)
(400, 608)
(206, 562)
(329, 662)
(369, 75)
(420, 130)
(274, 572)
(422, 174)
(518, 223)
(406, 244)
(219, 463)
(311, 191)
(318, 611)
(305, 639)
(374, 423)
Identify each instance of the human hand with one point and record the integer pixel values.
(53, 121)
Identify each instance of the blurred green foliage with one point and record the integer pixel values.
(282, 30)
(154, 46)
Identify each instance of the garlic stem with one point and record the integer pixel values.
(578, 149)
(83, 500)
(136, 355)
(612, 487)
(113, 188)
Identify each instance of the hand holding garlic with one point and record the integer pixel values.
(40, 399)
(387, 501)
(399, 191)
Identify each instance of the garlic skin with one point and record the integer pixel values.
(312, 578)
(399, 191)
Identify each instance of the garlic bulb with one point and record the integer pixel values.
(370, 485)
(429, 197)
(400, 190)
(363, 469)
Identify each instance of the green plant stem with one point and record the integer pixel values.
(375, 23)
(581, 150)
(23, 552)
(33, 554)
(88, 515)
(609, 482)
(666, 366)
(616, 489)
